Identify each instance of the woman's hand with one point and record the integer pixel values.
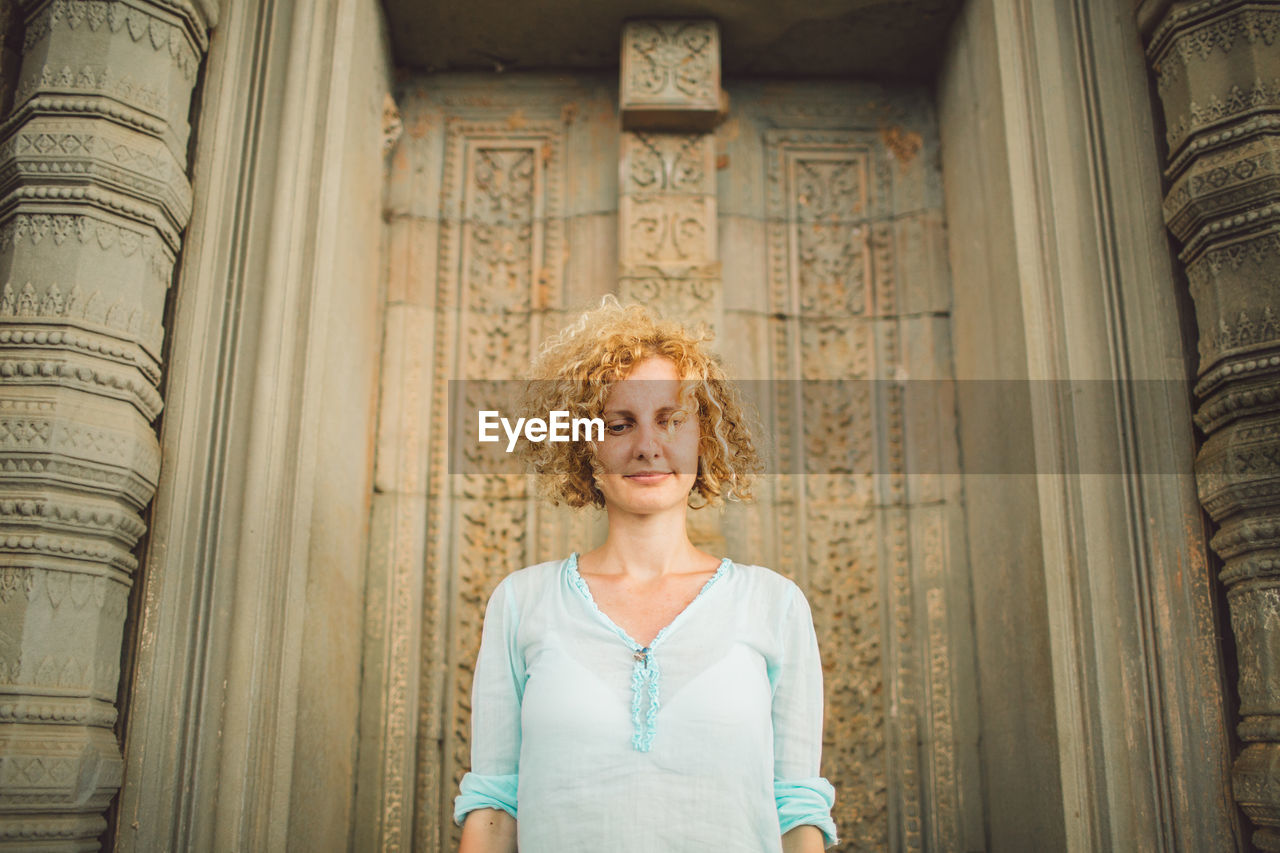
(494, 831)
(802, 839)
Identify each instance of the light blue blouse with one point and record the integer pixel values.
(709, 739)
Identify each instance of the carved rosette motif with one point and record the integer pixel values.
(95, 200)
(1217, 70)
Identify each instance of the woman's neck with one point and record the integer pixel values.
(646, 547)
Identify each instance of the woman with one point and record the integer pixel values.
(645, 696)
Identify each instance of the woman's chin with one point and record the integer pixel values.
(648, 495)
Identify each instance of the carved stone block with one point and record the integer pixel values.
(1216, 69)
(1255, 610)
(58, 769)
(1218, 185)
(1254, 788)
(683, 164)
(667, 230)
(136, 62)
(137, 169)
(502, 235)
(670, 75)
(846, 587)
(691, 293)
(667, 234)
(1233, 284)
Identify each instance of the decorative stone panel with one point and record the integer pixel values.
(500, 259)
(1217, 70)
(822, 189)
(93, 202)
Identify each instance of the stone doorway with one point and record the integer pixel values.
(821, 264)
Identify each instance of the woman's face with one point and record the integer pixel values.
(649, 454)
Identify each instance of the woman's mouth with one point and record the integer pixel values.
(648, 476)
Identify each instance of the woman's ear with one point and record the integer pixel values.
(697, 499)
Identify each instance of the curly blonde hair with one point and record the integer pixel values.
(575, 371)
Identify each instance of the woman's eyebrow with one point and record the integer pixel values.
(627, 413)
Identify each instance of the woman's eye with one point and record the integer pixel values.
(616, 428)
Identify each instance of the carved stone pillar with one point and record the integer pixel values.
(670, 96)
(93, 201)
(1217, 69)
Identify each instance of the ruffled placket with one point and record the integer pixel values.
(646, 673)
(644, 679)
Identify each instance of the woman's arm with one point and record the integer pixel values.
(486, 805)
(494, 831)
(802, 839)
(804, 799)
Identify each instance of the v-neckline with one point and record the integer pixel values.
(580, 582)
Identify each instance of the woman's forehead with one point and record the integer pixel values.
(654, 368)
(653, 383)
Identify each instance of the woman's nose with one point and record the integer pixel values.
(648, 444)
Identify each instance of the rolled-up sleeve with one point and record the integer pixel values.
(802, 795)
(496, 694)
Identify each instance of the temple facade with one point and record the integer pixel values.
(999, 277)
